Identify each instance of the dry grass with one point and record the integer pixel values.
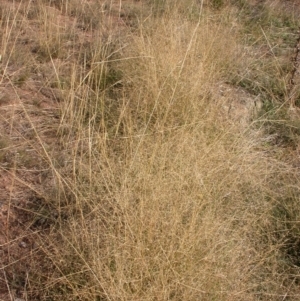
(158, 193)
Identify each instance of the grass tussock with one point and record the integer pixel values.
(158, 193)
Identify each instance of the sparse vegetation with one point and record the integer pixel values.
(150, 150)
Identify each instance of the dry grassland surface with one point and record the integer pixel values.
(149, 150)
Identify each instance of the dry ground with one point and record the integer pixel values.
(149, 151)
